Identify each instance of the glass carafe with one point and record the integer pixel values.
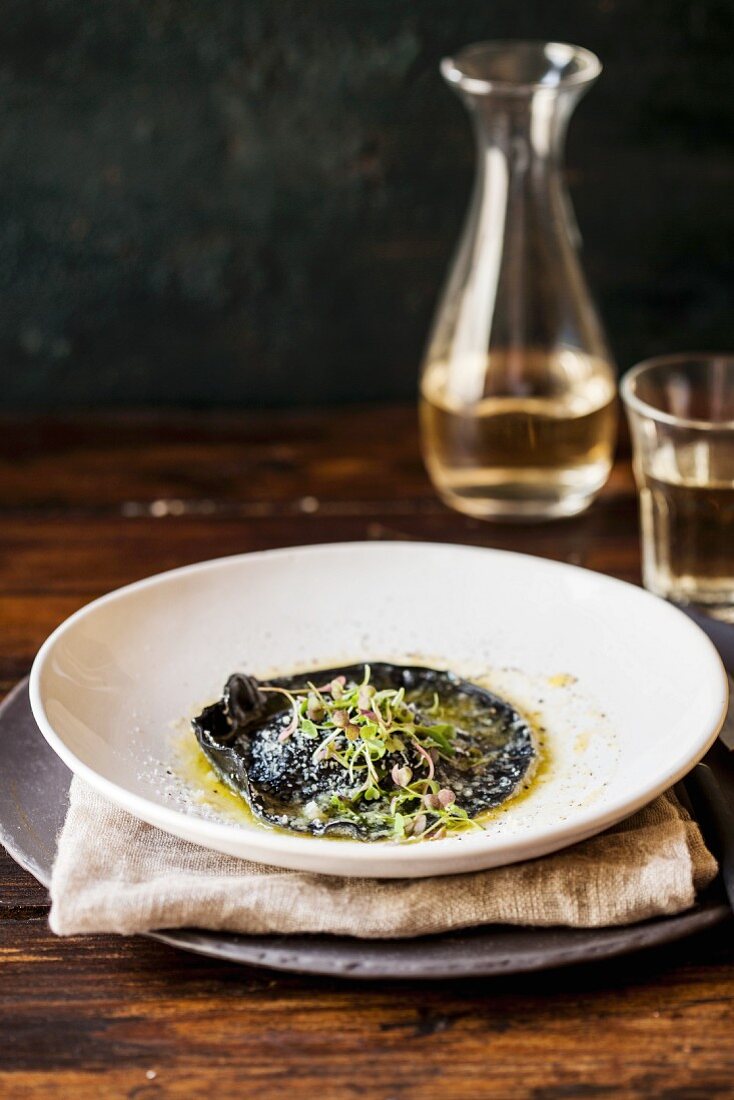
(518, 409)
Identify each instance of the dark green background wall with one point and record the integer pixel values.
(214, 201)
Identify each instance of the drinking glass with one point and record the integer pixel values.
(681, 415)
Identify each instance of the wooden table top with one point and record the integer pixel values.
(93, 502)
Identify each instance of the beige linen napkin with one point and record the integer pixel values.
(114, 873)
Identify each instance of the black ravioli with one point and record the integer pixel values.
(240, 736)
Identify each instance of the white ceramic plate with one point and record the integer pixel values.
(629, 691)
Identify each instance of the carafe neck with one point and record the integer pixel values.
(528, 132)
(521, 95)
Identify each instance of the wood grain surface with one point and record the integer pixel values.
(89, 503)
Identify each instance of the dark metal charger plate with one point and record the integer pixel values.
(33, 799)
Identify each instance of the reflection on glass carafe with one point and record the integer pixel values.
(518, 408)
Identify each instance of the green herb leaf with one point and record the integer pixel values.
(308, 728)
(377, 747)
(442, 734)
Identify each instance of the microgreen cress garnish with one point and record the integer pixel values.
(356, 727)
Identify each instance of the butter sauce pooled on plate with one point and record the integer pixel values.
(367, 752)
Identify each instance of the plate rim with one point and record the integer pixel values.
(621, 940)
(272, 847)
